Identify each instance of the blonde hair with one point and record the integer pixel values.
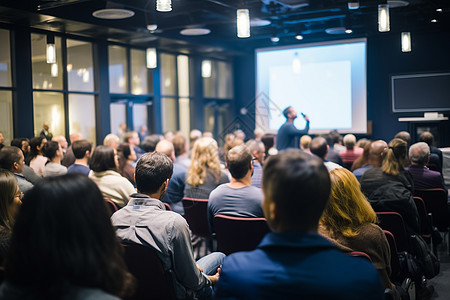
(347, 208)
(395, 157)
(204, 157)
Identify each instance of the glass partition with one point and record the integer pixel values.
(169, 114)
(6, 120)
(118, 116)
(49, 107)
(139, 71)
(80, 66)
(168, 74)
(5, 59)
(118, 70)
(46, 76)
(82, 116)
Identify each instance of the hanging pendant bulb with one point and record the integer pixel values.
(151, 58)
(406, 42)
(243, 23)
(206, 69)
(51, 49)
(164, 5)
(383, 18)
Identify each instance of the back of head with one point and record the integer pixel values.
(17, 142)
(165, 147)
(305, 140)
(49, 149)
(299, 185)
(75, 136)
(349, 141)
(404, 135)
(179, 144)
(395, 157)
(80, 147)
(102, 159)
(34, 143)
(376, 152)
(152, 170)
(319, 147)
(63, 236)
(204, 156)
(8, 190)
(335, 137)
(194, 135)
(8, 156)
(427, 137)
(347, 209)
(255, 146)
(150, 142)
(238, 161)
(111, 140)
(419, 153)
(129, 136)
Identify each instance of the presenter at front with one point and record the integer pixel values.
(288, 135)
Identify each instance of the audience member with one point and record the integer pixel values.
(45, 132)
(319, 147)
(69, 157)
(11, 159)
(207, 134)
(127, 157)
(181, 151)
(175, 189)
(143, 132)
(121, 132)
(10, 201)
(111, 140)
(2, 139)
(82, 151)
(436, 160)
(404, 135)
(150, 142)
(332, 154)
(376, 153)
(194, 135)
(259, 133)
(294, 262)
(237, 198)
(28, 172)
(350, 222)
(132, 138)
(22, 144)
(390, 188)
(61, 140)
(204, 174)
(258, 152)
(63, 245)
(337, 141)
(363, 159)
(168, 136)
(269, 144)
(361, 143)
(304, 143)
(145, 221)
(52, 150)
(423, 178)
(351, 152)
(239, 134)
(36, 160)
(103, 164)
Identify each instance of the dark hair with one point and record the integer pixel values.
(18, 142)
(102, 159)
(124, 152)
(34, 143)
(8, 189)
(150, 142)
(404, 135)
(318, 146)
(8, 156)
(299, 184)
(286, 111)
(427, 137)
(238, 161)
(50, 148)
(152, 170)
(80, 147)
(63, 237)
(179, 144)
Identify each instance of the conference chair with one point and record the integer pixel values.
(360, 254)
(111, 206)
(235, 234)
(152, 281)
(195, 213)
(424, 220)
(393, 222)
(167, 206)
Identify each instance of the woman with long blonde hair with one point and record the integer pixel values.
(204, 174)
(349, 221)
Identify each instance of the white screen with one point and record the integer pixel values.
(325, 81)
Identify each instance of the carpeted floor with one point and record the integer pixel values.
(441, 282)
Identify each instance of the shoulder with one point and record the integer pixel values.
(82, 293)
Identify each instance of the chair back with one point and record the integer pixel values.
(393, 222)
(2, 274)
(235, 234)
(396, 271)
(360, 254)
(151, 279)
(425, 225)
(167, 206)
(195, 213)
(111, 206)
(436, 204)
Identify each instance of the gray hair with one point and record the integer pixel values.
(419, 153)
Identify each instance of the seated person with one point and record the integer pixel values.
(35, 158)
(127, 159)
(294, 262)
(376, 151)
(11, 159)
(258, 151)
(52, 150)
(145, 221)
(319, 147)
(436, 159)
(351, 152)
(82, 151)
(237, 198)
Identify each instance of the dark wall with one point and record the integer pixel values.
(430, 53)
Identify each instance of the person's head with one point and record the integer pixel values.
(46, 126)
(376, 152)
(61, 140)
(36, 145)
(103, 158)
(166, 147)
(404, 135)
(22, 144)
(305, 140)
(395, 157)
(132, 138)
(335, 137)
(2, 138)
(127, 152)
(239, 134)
(268, 141)
(12, 159)
(289, 113)
(296, 188)
(52, 150)
(150, 142)
(349, 141)
(194, 135)
(81, 149)
(427, 137)
(168, 135)
(362, 142)
(111, 140)
(419, 153)
(143, 129)
(239, 162)
(10, 199)
(153, 172)
(180, 144)
(257, 149)
(319, 147)
(347, 209)
(204, 156)
(258, 134)
(63, 237)
(75, 136)
(123, 127)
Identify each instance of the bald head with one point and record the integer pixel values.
(376, 152)
(166, 147)
(75, 136)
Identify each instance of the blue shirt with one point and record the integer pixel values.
(297, 266)
(175, 190)
(360, 171)
(289, 136)
(76, 168)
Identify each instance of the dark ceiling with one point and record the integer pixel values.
(287, 19)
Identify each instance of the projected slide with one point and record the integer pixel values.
(326, 82)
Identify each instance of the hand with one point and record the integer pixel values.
(214, 278)
(306, 117)
(199, 268)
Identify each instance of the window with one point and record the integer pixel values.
(118, 70)
(6, 113)
(80, 66)
(49, 107)
(46, 76)
(82, 116)
(139, 71)
(220, 84)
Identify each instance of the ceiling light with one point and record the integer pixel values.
(348, 31)
(163, 5)
(353, 4)
(54, 70)
(243, 23)
(406, 42)
(51, 49)
(299, 37)
(274, 39)
(439, 9)
(434, 21)
(151, 58)
(206, 68)
(113, 13)
(383, 18)
(195, 31)
(152, 27)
